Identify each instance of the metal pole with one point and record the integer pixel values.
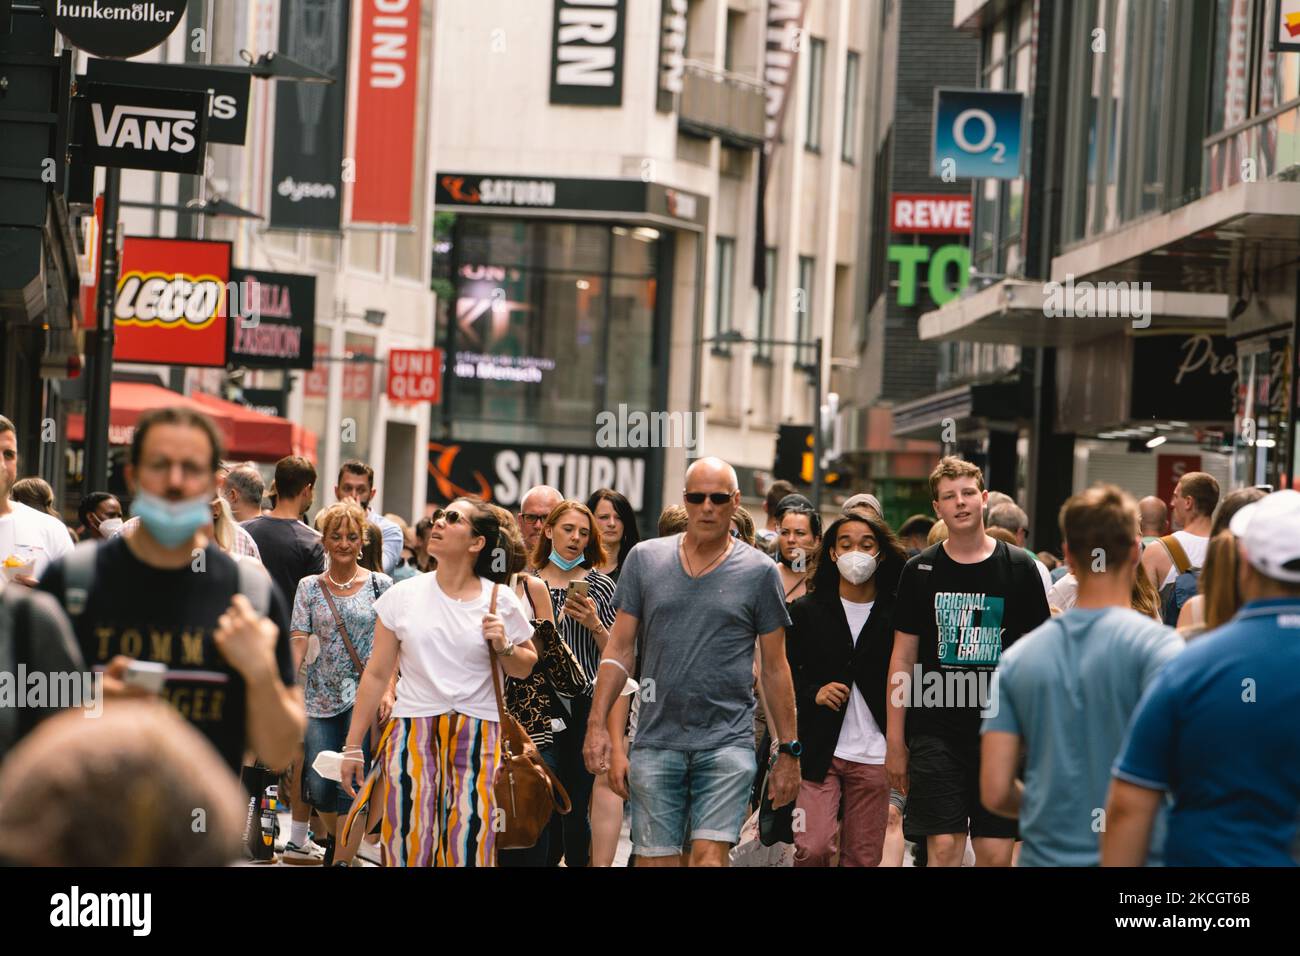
(100, 374)
(817, 428)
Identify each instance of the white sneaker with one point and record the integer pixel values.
(309, 854)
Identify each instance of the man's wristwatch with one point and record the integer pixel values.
(793, 748)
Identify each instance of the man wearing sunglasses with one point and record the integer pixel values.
(534, 508)
(698, 599)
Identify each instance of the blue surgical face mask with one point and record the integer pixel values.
(172, 523)
(564, 565)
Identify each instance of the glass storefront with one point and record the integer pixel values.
(553, 322)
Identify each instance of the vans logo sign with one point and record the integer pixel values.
(135, 128)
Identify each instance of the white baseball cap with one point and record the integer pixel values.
(863, 499)
(1269, 532)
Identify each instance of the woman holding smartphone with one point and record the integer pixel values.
(444, 631)
(568, 553)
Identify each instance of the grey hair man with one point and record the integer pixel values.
(244, 488)
(534, 508)
(1011, 517)
(1155, 514)
(697, 599)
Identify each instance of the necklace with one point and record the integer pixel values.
(695, 574)
(344, 586)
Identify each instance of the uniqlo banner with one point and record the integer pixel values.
(387, 90)
(415, 375)
(171, 302)
(310, 126)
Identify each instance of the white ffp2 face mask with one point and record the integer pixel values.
(856, 566)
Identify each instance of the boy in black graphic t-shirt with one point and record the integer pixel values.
(168, 594)
(960, 604)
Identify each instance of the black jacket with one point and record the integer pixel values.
(821, 651)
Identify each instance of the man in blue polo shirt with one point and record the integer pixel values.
(1218, 727)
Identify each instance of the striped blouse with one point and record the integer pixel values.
(601, 591)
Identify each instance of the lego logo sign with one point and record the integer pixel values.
(172, 302)
(415, 375)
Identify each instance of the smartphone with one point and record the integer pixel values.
(577, 587)
(146, 675)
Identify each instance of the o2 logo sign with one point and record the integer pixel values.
(977, 134)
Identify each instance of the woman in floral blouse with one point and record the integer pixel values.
(332, 674)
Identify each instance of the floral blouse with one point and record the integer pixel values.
(331, 680)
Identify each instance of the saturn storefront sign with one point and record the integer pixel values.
(171, 302)
(132, 127)
(502, 473)
(118, 28)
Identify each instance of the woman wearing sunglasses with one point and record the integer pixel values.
(569, 550)
(444, 748)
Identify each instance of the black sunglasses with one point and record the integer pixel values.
(718, 497)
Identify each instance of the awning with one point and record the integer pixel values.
(259, 436)
(246, 433)
(1197, 247)
(1014, 312)
(983, 404)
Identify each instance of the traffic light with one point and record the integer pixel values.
(794, 454)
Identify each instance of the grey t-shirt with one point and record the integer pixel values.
(697, 642)
(1069, 689)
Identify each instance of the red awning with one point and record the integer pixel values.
(246, 433)
(258, 436)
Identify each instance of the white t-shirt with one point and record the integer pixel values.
(444, 659)
(1194, 546)
(860, 738)
(28, 535)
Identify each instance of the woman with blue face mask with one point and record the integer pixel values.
(569, 550)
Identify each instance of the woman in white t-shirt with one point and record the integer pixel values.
(443, 749)
(839, 642)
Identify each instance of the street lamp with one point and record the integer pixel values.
(734, 337)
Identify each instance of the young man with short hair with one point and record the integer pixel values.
(168, 594)
(29, 539)
(1217, 729)
(961, 603)
(1192, 509)
(1066, 690)
(357, 481)
(290, 549)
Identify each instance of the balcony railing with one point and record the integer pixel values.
(719, 103)
(1264, 147)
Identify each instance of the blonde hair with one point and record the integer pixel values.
(339, 513)
(223, 525)
(938, 532)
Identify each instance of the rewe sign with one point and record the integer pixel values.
(415, 375)
(935, 214)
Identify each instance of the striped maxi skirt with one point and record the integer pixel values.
(438, 809)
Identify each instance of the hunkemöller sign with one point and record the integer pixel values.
(115, 28)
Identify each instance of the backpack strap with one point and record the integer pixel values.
(79, 577)
(1176, 553)
(255, 584)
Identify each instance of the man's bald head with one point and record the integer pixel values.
(534, 508)
(712, 470)
(1154, 514)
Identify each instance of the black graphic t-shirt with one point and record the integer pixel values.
(965, 616)
(169, 616)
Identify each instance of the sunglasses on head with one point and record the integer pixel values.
(718, 497)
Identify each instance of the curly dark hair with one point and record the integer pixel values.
(825, 584)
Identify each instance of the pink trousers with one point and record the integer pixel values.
(861, 790)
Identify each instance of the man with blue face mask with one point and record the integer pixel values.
(168, 594)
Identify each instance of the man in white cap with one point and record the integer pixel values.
(863, 500)
(1217, 729)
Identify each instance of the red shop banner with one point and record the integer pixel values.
(387, 90)
(172, 300)
(415, 375)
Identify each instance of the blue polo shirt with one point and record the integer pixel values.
(1220, 730)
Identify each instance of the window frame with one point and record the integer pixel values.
(849, 124)
(724, 281)
(812, 130)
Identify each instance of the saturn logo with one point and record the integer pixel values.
(441, 459)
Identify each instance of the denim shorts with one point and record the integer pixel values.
(327, 733)
(680, 795)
